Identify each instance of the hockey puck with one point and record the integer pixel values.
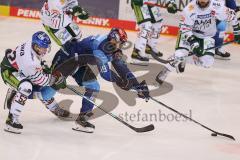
(214, 134)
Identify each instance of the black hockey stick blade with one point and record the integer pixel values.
(144, 129)
(224, 135)
(138, 64)
(136, 129)
(156, 57)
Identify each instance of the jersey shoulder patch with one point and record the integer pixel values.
(191, 7)
(62, 2)
(217, 4)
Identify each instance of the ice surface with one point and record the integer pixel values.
(210, 96)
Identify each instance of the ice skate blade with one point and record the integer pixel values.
(222, 58)
(10, 129)
(139, 63)
(80, 128)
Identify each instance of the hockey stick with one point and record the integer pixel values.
(215, 133)
(154, 55)
(224, 44)
(138, 130)
(158, 5)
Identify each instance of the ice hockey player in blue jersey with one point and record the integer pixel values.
(96, 50)
(221, 28)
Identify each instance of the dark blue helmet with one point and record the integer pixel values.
(41, 39)
(41, 43)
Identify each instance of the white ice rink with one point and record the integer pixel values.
(211, 96)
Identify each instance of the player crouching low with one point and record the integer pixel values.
(22, 70)
(99, 51)
(197, 29)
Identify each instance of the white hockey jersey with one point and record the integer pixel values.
(53, 13)
(202, 22)
(25, 60)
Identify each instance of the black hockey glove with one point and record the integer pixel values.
(195, 46)
(171, 7)
(236, 31)
(143, 91)
(137, 2)
(118, 55)
(79, 12)
(124, 84)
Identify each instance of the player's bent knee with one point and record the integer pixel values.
(47, 93)
(207, 61)
(221, 26)
(25, 87)
(181, 53)
(92, 85)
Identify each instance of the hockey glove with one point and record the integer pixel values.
(195, 46)
(46, 68)
(118, 55)
(59, 81)
(124, 84)
(171, 7)
(79, 12)
(143, 91)
(137, 2)
(236, 31)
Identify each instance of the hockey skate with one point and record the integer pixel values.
(9, 97)
(149, 52)
(61, 113)
(83, 125)
(12, 125)
(162, 75)
(220, 53)
(138, 59)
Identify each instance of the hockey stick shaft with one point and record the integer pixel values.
(144, 129)
(168, 61)
(224, 44)
(166, 106)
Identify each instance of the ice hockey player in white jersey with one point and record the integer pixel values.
(57, 18)
(22, 70)
(149, 20)
(197, 29)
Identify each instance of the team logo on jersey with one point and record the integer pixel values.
(62, 1)
(202, 24)
(205, 16)
(190, 7)
(213, 13)
(182, 18)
